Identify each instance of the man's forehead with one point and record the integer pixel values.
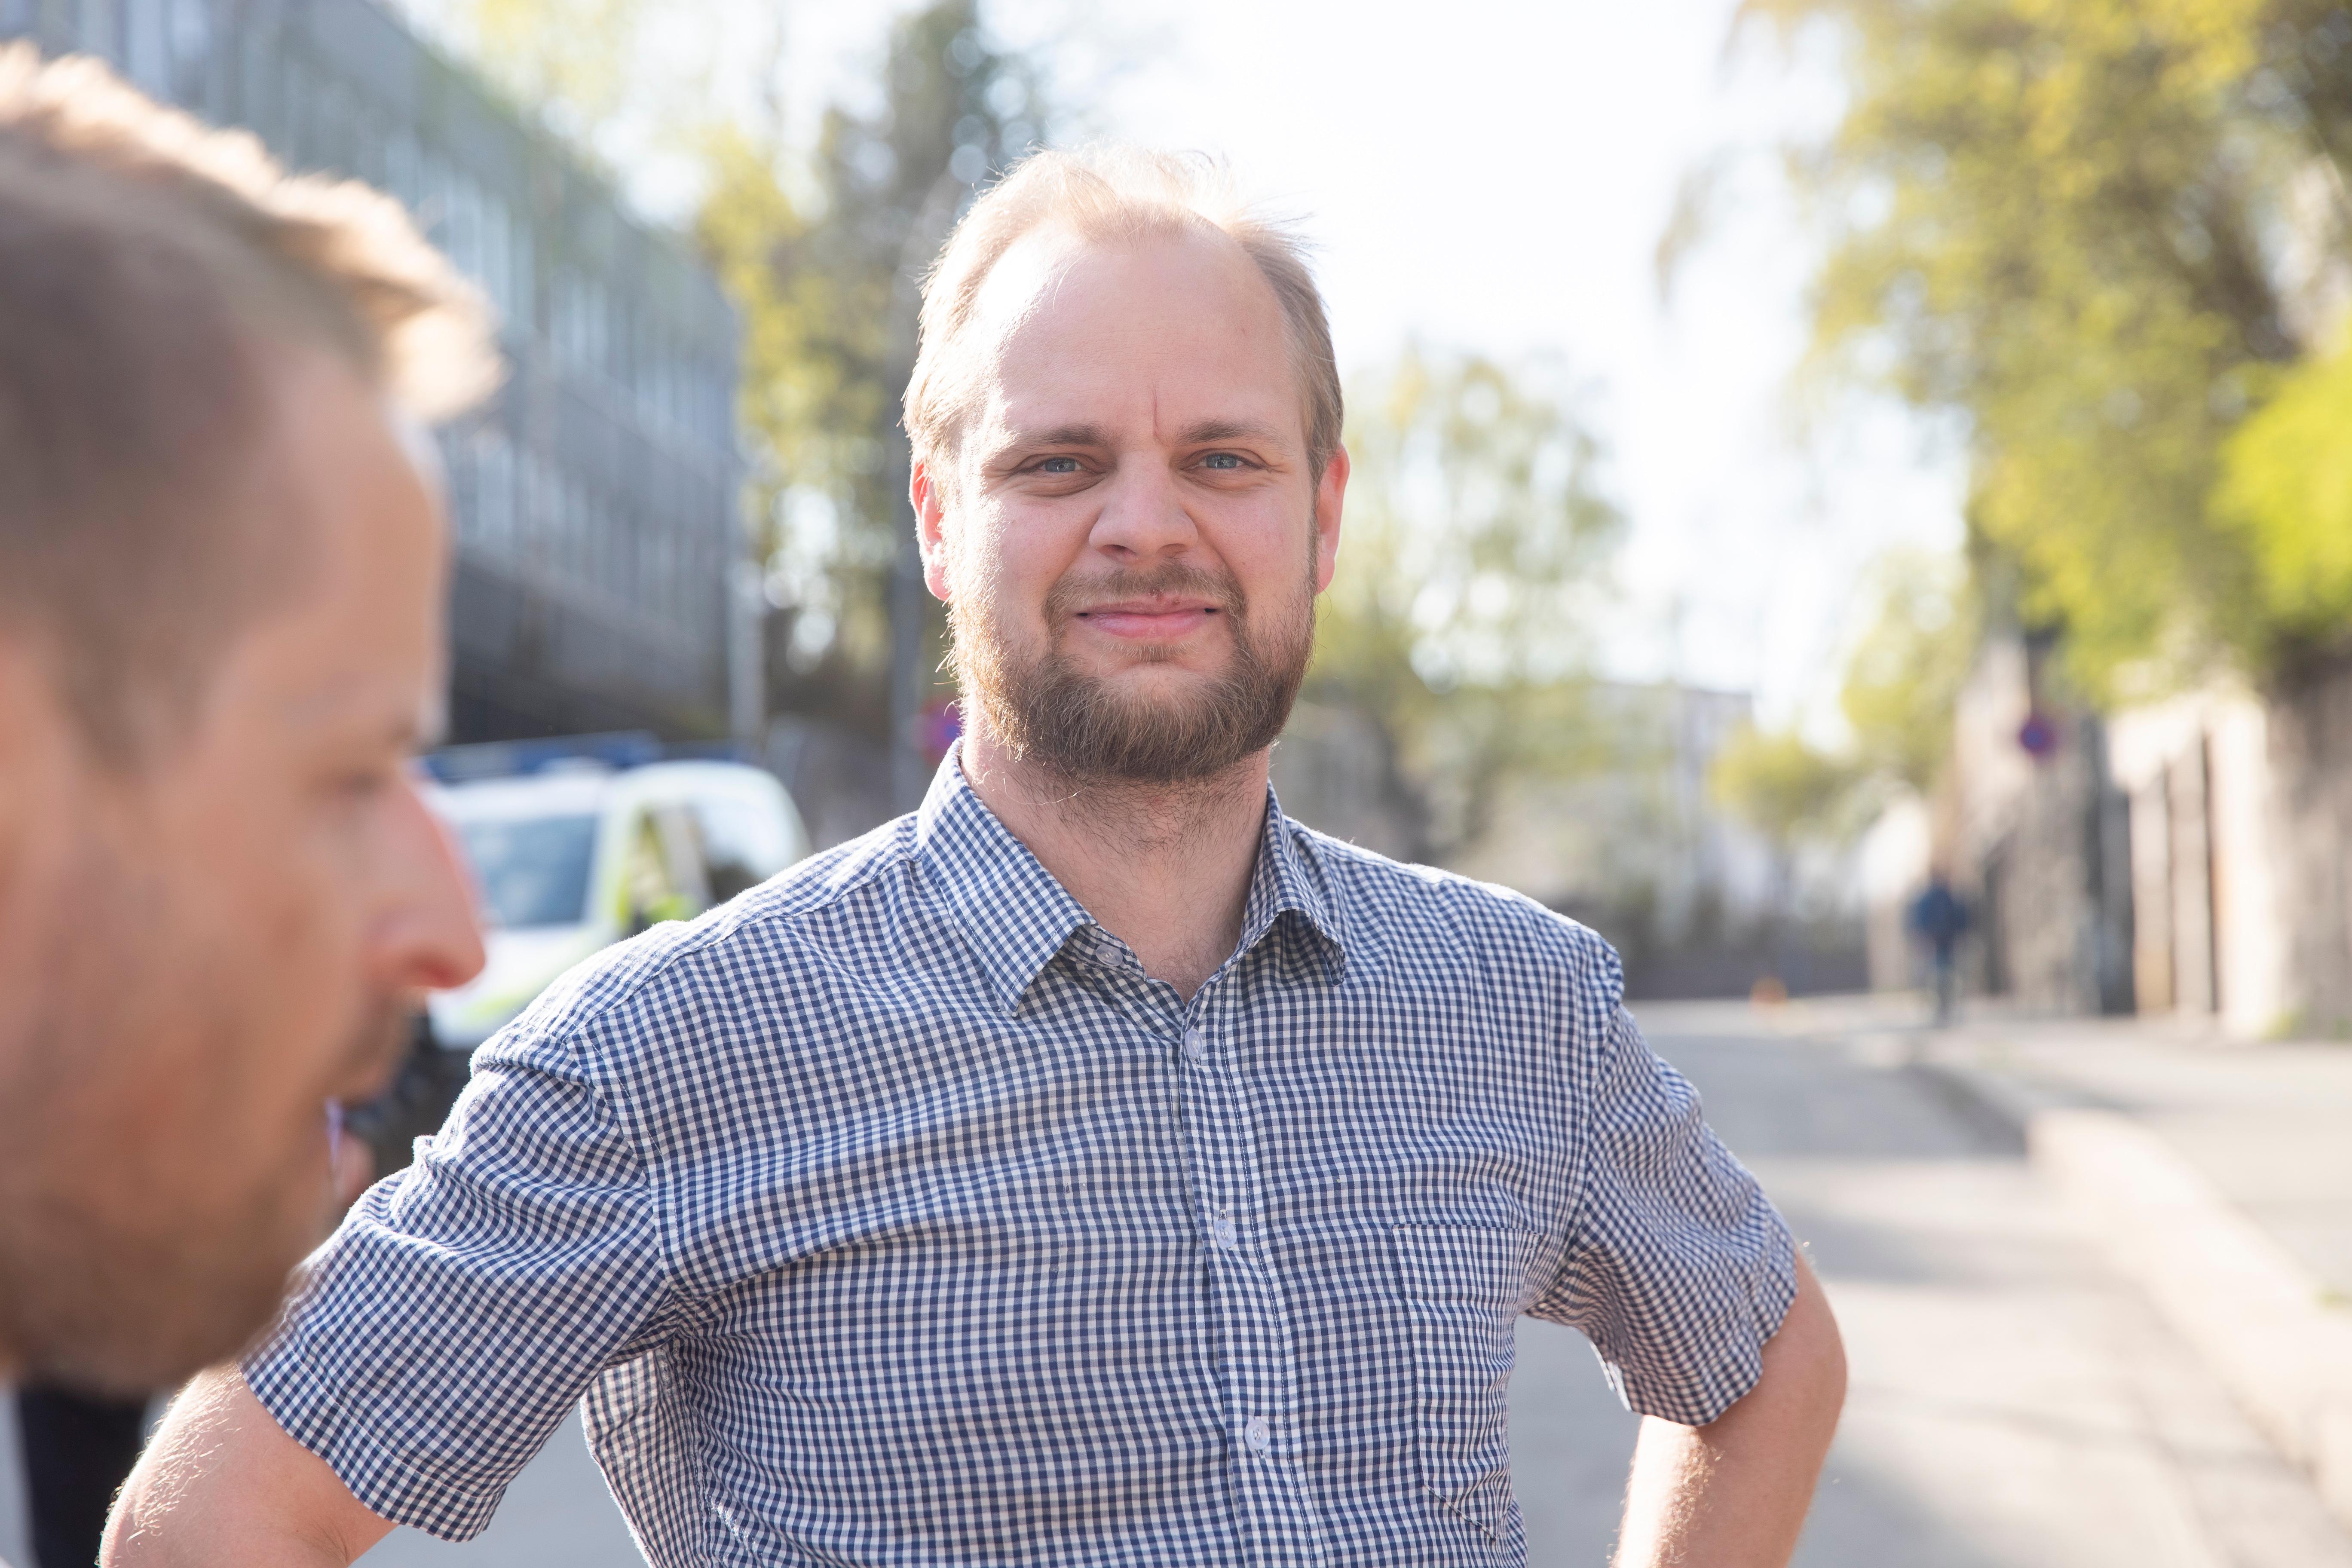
(1053, 275)
(1183, 323)
(355, 644)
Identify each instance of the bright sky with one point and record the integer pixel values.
(1494, 174)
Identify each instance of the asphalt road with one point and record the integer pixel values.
(2013, 1405)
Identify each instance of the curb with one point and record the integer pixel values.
(2244, 1303)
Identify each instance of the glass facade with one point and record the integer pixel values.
(595, 495)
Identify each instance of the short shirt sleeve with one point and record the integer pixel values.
(1678, 1268)
(464, 1305)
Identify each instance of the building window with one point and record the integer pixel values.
(192, 46)
(400, 169)
(494, 491)
(99, 27)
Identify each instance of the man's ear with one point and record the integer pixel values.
(929, 499)
(1330, 491)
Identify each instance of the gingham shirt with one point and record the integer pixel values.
(891, 1214)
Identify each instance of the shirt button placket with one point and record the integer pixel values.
(1255, 1343)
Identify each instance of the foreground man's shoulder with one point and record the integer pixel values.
(1397, 896)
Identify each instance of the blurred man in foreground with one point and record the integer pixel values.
(1095, 1166)
(221, 569)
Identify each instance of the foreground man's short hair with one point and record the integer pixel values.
(1112, 195)
(152, 272)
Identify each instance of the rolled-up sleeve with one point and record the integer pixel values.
(443, 1332)
(1678, 1268)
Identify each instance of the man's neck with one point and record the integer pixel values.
(1164, 868)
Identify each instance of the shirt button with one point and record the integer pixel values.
(1225, 1233)
(1258, 1435)
(1196, 1044)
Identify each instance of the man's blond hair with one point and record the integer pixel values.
(1112, 195)
(152, 270)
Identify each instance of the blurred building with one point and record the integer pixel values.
(1697, 902)
(596, 497)
(1632, 843)
(2040, 838)
(2188, 858)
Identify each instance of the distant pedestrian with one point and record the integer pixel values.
(1096, 1165)
(221, 575)
(1940, 919)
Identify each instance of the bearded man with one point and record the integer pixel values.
(1095, 1166)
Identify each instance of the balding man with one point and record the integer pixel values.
(221, 577)
(1095, 1166)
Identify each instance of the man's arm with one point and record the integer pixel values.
(236, 1492)
(1733, 1493)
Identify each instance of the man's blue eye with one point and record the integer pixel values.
(1058, 466)
(1222, 461)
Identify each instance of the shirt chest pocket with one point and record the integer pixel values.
(1463, 1288)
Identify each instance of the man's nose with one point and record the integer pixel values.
(1143, 517)
(428, 940)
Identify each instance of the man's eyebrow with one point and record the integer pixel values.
(1211, 430)
(1060, 436)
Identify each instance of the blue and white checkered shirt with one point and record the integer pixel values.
(891, 1214)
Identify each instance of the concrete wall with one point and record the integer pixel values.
(2309, 749)
(2041, 846)
(1895, 855)
(2190, 857)
(2212, 937)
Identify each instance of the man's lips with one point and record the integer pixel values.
(1148, 619)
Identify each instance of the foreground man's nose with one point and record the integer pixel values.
(431, 941)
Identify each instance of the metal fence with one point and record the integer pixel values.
(595, 496)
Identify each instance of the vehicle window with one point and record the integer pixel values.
(742, 845)
(663, 876)
(533, 870)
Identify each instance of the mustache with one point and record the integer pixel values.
(1172, 579)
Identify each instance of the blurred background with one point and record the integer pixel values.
(1798, 444)
(1849, 497)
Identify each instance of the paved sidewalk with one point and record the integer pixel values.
(2215, 1174)
(2269, 1124)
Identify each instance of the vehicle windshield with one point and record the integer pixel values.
(533, 870)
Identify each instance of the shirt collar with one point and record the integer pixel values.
(1286, 882)
(1016, 914)
(1019, 917)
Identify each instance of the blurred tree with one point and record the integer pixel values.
(2286, 495)
(567, 58)
(1903, 680)
(1791, 791)
(2071, 222)
(1475, 540)
(1904, 676)
(1781, 784)
(822, 249)
(830, 291)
